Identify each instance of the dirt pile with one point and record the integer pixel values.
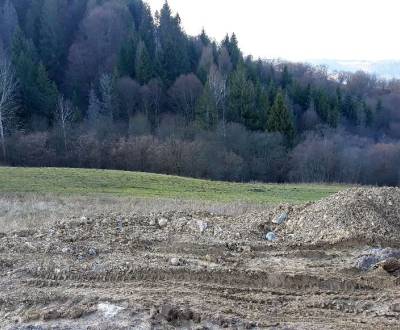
(200, 270)
(355, 216)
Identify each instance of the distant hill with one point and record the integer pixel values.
(388, 69)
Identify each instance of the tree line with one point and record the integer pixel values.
(104, 83)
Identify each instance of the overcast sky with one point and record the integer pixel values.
(298, 29)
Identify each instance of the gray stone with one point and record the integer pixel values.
(271, 236)
(281, 218)
(395, 308)
(92, 252)
(371, 257)
(366, 262)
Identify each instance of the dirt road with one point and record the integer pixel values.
(193, 270)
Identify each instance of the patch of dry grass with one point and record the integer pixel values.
(25, 211)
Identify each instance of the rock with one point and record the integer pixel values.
(92, 252)
(120, 226)
(395, 308)
(162, 222)
(51, 314)
(365, 263)
(271, 236)
(83, 218)
(109, 310)
(175, 262)
(372, 257)
(390, 265)
(152, 222)
(281, 218)
(202, 225)
(66, 250)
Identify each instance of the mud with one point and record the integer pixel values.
(197, 270)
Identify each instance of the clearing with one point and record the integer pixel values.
(85, 255)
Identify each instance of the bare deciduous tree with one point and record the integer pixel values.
(65, 112)
(8, 101)
(217, 84)
(184, 94)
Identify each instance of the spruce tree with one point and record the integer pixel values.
(173, 52)
(241, 96)
(143, 65)
(127, 57)
(279, 118)
(50, 43)
(47, 91)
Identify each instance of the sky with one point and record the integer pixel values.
(298, 30)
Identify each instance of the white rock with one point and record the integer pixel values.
(202, 225)
(162, 222)
(175, 261)
(109, 310)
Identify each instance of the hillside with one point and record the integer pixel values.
(108, 84)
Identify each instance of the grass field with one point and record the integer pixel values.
(83, 182)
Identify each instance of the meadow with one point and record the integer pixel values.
(87, 182)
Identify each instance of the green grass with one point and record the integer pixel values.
(118, 183)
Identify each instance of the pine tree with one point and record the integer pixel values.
(279, 118)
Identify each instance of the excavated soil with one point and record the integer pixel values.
(196, 270)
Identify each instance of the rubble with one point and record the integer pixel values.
(332, 262)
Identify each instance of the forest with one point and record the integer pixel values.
(107, 84)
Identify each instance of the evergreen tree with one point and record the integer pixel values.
(286, 79)
(206, 109)
(262, 106)
(143, 65)
(51, 43)
(173, 55)
(144, 23)
(205, 40)
(322, 106)
(33, 21)
(349, 109)
(279, 118)
(127, 57)
(241, 96)
(369, 115)
(231, 44)
(333, 115)
(47, 91)
(8, 25)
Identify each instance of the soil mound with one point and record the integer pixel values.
(354, 216)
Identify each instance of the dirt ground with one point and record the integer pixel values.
(320, 268)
